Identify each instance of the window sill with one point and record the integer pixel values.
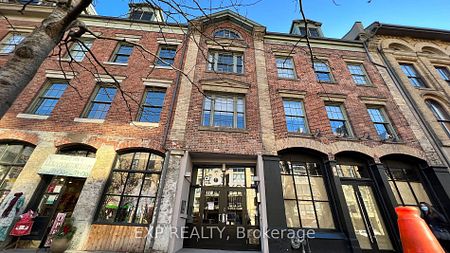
(144, 124)
(225, 73)
(223, 129)
(425, 88)
(86, 120)
(68, 60)
(288, 79)
(32, 116)
(115, 63)
(160, 67)
(5, 54)
(300, 135)
(365, 85)
(327, 82)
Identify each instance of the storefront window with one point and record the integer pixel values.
(406, 186)
(130, 195)
(305, 196)
(13, 158)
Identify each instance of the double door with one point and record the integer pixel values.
(224, 222)
(367, 221)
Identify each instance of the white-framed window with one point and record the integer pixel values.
(79, 49)
(10, 42)
(101, 102)
(224, 110)
(166, 55)
(152, 105)
(285, 67)
(48, 98)
(359, 74)
(226, 62)
(294, 111)
(122, 53)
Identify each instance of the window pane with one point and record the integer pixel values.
(291, 212)
(125, 50)
(98, 111)
(55, 90)
(334, 112)
(109, 208)
(144, 212)
(223, 119)
(394, 190)
(420, 192)
(133, 185)
(307, 214)
(235, 177)
(10, 178)
(406, 194)
(288, 187)
(105, 94)
(318, 188)
(11, 153)
(302, 187)
(46, 106)
(324, 215)
(155, 163)
(376, 115)
(150, 114)
(125, 161)
(150, 187)
(213, 177)
(155, 98)
(140, 161)
(118, 181)
(126, 210)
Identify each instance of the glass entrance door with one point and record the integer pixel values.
(366, 218)
(223, 210)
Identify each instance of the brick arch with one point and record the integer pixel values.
(140, 144)
(12, 135)
(67, 141)
(385, 44)
(386, 149)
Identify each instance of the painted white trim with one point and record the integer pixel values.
(32, 116)
(144, 124)
(108, 79)
(59, 74)
(85, 120)
(166, 41)
(160, 67)
(162, 83)
(128, 37)
(115, 63)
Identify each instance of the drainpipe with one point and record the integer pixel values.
(162, 180)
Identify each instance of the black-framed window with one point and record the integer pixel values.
(101, 102)
(141, 15)
(358, 73)
(406, 186)
(166, 55)
(79, 49)
(338, 120)
(13, 158)
(441, 114)
(225, 33)
(381, 123)
(414, 78)
(226, 62)
(9, 44)
(130, 195)
(224, 110)
(295, 116)
(152, 105)
(285, 67)
(78, 150)
(305, 196)
(122, 53)
(444, 73)
(312, 32)
(48, 98)
(323, 72)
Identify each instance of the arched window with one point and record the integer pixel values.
(225, 33)
(304, 191)
(441, 114)
(78, 150)
(13, 158)
(405, 180)
(131, 192)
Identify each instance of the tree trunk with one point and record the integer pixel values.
(31, 53)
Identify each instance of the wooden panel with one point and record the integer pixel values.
(116, 238)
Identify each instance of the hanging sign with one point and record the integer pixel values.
(57, 224)
(67, 166)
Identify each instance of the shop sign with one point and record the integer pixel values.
(57, 224)
(67, 166)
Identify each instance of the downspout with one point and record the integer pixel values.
(162, 180)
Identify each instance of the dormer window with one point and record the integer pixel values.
(312, 32)
(141, 15)
(225, 33)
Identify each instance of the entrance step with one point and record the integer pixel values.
(213, 251)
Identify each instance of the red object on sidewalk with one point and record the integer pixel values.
(415, 234)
